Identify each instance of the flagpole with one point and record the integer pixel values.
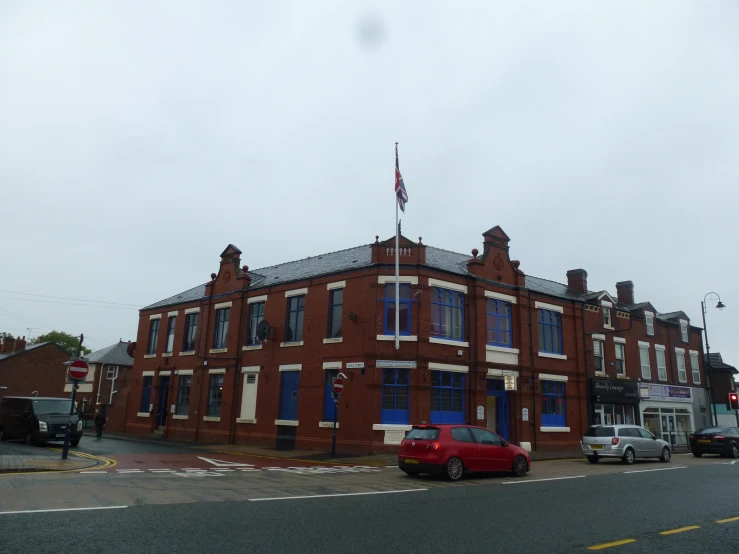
(397, 278)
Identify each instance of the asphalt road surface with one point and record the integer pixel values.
(688, 505)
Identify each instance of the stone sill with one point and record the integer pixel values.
(449, 342)
(287, 422)
(166, 354)
(552, 356)
(291, 344)
(218, 350)
(554, 429)
(180, 417)
(333, 341)
(143, 414)
(402, 338)
(252, 347)
(148, 356)
(188, 353)
(327, 424)
(241, 420)
(212, 418)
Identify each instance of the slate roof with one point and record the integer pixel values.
(671, 315)
(717, 363)
(116, 354)
(638, 306)
(26, 349)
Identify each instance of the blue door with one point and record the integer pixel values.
(497, 408)
(289, 395)
(162, 403)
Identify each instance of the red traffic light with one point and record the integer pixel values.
(733, 401)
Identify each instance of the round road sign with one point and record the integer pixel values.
(78, 369)
(338, 386)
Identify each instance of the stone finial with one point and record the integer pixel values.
(420, 240)
(213, 276)
(515, 264)
(245, 269)
(475, 252)
(377, 239)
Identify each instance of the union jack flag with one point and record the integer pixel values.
(400, 191)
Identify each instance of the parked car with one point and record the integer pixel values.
(454, 450)
(627, 442)
(38, 419)
(715, 440)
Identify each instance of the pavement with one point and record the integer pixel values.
(686, 506)
(19, 458)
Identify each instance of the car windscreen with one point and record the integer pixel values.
(711, 430)
(55, 406)
(428, 434)
(600, 432)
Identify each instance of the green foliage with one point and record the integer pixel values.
(64, 340)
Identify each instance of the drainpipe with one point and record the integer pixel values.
(533, 373)
(112, 386)
(100, 383)
(588, 397)
(237, 367)
(472, 363)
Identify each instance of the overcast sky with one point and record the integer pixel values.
(138, 139)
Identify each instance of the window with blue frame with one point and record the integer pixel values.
(328, 394)
(145, 395)
(220, 333)
(256, 316)
(395, 396)
(447, 397)
(447, 314)
(335, 306)
(294, 320)
(404, 311)
(553, 405)
(499, 323)
(550, 332)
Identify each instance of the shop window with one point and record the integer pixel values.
(553, 405)
(447, 397)
(395, 396)
(447, 314)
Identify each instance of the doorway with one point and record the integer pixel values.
(497, 408)
(668, 428)
(162, 403)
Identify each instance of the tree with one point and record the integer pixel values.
(63, 340)
(6, 336)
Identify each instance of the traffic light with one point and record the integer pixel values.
(733, 401)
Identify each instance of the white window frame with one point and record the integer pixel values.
(607, 321)
(695, 366)
(115, 372)
(649, 321)
(644, 347)
(684, 330)
(620, 348)
(680, 355)
(661, 368)
(599, 344)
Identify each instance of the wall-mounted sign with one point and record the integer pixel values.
(510, 381)
(614, 391)
(480, 412)
(525, 414)
(665, 393)
(395, 363)
(354, 365)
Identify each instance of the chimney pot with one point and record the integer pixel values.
(577, 280)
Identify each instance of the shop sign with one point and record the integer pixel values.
(395, 363)
(355, 365)
(664, 393)
(510, 381)
(615, 390)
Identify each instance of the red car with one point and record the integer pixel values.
(454, 450)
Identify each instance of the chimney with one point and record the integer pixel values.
(577, 280)
(625, 292)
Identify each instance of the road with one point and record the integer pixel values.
(563, 506)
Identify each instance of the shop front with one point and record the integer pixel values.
(667, 411)
(615, 402)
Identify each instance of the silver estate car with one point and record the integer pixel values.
(627, 442)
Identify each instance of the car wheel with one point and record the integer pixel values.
(666, 455)
(734, 451)
(520, 466)
(697, 454)
(29, 438)
(629, 456)
(454, 469)
(74, 443)
(593, 459)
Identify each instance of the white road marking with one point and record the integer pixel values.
(196, 469)
(129, 471)
(250, 469)
(658, 469)
(540, 480)
(396, 465)
(63, 510)
(161, 470)
(333, 495)
(98, 472)
(220, 469)
(222, 463)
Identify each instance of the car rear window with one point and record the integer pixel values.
(600, 432)
(425, 434)
(710, 430)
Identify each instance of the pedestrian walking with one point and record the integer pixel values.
(100, 418)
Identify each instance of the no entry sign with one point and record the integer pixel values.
(338, 386)
(78, 369)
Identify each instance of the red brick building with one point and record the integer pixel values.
(467, 324)
(25, 369)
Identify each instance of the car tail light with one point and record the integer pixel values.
(402, 443)
(434, 446)
(719, 437)
(614, 441)
(692, 437)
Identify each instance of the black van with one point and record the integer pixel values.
(37, 420)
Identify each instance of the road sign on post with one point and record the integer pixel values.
(337, 387)
(78, 370)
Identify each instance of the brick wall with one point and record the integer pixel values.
(38, 369)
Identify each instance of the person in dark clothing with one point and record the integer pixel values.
(100, 418)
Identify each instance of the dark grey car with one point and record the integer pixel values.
(626, 442)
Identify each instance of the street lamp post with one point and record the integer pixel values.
(720, 306)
